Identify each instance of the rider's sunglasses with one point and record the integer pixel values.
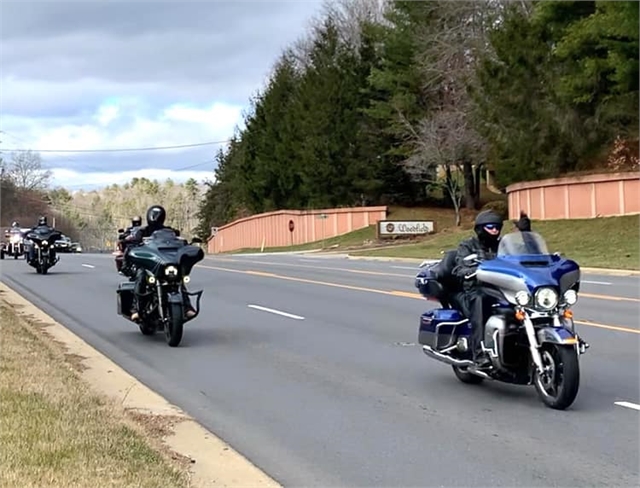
(493, 227)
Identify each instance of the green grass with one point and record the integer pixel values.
(609, 242)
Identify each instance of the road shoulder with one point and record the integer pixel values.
(211, 462)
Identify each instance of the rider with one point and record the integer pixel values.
(488, 226)
(45, 228)
(123, 244)
(156, 215)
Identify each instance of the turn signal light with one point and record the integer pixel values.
(520, 315)
(567, 314)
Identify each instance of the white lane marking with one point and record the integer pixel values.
(88, 265)
(633, 406)
(277, 312)
(596, 282)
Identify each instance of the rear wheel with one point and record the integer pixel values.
(463, 375)
(558, 386)
(174, 325)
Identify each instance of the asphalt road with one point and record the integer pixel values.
(309, 367)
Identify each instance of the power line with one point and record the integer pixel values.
(133, 149)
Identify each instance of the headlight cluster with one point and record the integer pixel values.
(523, 298)
(546, 298)
(571, 297)
(171, 271)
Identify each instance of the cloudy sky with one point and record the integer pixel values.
(114, 74)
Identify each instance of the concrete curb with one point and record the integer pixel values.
(216, 464)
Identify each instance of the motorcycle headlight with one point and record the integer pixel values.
(45, 243)
(171, 271)
(523, 298)
(15, 239)
(571, 297)
(546, 298)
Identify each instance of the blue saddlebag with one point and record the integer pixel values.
(441, 328)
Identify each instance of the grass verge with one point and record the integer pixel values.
(608, 242)
(55, 432)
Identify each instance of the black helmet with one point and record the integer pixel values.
(156, 214)
(136, 221)
(486, 220)
(42, 220)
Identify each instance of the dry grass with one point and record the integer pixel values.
(55, 432)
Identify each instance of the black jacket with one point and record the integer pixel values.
(472, 245)
(138, 233)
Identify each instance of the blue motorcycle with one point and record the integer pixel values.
(530, 335)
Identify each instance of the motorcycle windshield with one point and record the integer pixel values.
(522, 244)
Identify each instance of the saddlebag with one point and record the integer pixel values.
(125, 297)
(441, 328)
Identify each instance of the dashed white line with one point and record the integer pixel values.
(633, 406)
(277, 312)
(88, 265)
(596, 282)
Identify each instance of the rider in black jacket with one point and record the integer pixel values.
(156, 215)
(43, 227)
(488, 226)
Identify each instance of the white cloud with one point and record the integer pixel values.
(95, 75)
(126, 123)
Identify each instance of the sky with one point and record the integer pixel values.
(120, 74)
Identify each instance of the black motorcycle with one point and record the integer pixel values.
(43, 241)
(167, 261)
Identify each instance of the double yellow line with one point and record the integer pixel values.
(405, 294)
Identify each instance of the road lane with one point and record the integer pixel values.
(342, 397)
(589, 309)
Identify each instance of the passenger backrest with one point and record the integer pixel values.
(444, 270)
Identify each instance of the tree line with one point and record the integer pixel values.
(91, 217)
(413, 102)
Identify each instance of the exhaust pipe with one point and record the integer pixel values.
(446, 359)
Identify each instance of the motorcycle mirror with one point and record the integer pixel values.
(120, 231)
(559, 254)
(196, 240)
(470, 257)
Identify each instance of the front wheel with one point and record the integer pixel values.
(558, 386)
(174, 326)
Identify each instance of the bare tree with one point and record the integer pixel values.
(450, 43)
(26, 171)
(351, 15)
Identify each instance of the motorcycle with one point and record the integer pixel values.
(530, 335)
(166, 261)
(14, 247)
(43, 242)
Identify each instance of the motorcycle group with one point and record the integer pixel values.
(505, 301)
